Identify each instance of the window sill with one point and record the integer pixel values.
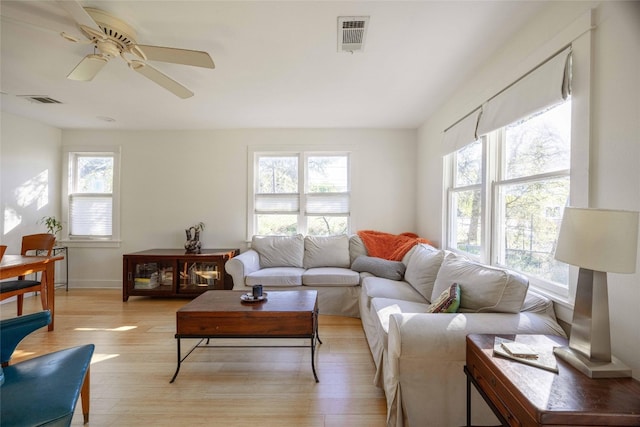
(91, 243)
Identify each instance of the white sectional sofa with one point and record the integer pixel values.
(321, 263)
(419, 355)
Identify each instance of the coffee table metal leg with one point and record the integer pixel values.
(313, 348)
(315, 336)
(315, 327)
(178, 367)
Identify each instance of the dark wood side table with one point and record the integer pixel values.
(523, 395)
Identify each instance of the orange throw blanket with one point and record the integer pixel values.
(389, 246)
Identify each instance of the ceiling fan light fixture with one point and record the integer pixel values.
(108, 48)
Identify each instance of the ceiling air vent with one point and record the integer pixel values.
(40, 99)
(352, 31)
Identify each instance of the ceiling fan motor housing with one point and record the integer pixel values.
(114, 29)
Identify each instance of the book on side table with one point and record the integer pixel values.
(524, 353)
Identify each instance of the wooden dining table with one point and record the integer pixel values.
(20, 265)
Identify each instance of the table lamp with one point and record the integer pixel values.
(598, 241)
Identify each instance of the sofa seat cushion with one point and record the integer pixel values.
(326, 251)
(383, 308)
(276, 276)
(378, 287)
(483, 288)
(330, 276)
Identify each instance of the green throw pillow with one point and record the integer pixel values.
(447, 302)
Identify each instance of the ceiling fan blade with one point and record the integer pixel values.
(161, 79)
(87, 69)
(78, 14)
(196, 58)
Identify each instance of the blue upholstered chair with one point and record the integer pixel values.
(42, 391)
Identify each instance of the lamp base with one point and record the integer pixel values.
(593, 369)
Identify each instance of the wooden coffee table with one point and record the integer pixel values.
(221, 314)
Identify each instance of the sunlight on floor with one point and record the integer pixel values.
(119, 329)
(97, 357)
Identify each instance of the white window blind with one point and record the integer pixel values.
(327, 204)
(461, 133)
(90, 214)
(543, 87)
(277, 203)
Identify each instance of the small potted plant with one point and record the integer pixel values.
(53, 225)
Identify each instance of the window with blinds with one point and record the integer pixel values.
(300, 192)
(90, 195)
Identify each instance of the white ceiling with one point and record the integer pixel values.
(277, 64)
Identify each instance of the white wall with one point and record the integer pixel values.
(29, 178)
(173, 179)
(615, 134)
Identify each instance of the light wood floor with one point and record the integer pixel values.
(135, 358)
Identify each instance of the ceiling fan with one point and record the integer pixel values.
(112, 37)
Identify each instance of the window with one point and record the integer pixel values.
(302, 192)
(526, 185)
(531, 192)
(466, 199)
(91, 200)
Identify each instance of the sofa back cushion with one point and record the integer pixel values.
(279, 251)
(422, 268)
(326, 251)
(356, 248)
(483, 288)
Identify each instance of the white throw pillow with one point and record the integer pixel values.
(326, 251)
(422, 269)
(279, 251)
(483, 288)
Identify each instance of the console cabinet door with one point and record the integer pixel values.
(197, 275)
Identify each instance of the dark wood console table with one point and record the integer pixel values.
(523, 395)
(175, 273)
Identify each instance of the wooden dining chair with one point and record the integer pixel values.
(40, 244)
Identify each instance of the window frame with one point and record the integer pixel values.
(452, 189)
(492, 161)
(302, 155)
(70, 156)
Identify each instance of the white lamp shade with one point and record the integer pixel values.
(599, 239)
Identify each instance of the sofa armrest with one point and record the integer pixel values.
(441, 336)
(423, 372)
(242, 265)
